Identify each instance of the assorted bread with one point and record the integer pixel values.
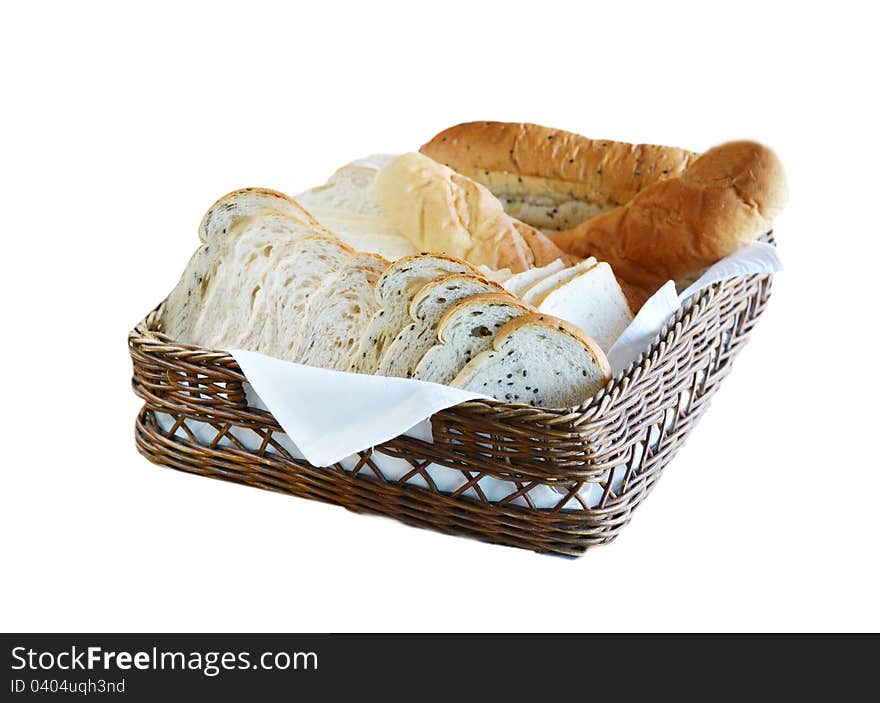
(653, 213)
(494, 304)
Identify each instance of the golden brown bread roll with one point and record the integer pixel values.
(675, 228)
(550, 178)
(440, 210)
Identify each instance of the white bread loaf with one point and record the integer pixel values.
(593, 301)
(338, 313)
(394, 292)
(540, 361)
(465, 330)
(427, 307)
(439, 210)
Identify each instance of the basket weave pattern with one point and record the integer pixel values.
(621, 439)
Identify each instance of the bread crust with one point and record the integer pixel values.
(574, 331)
(676, 228)
(228, 202)
(412, 258)
(553, 161)
(426, 289)
(504, 298)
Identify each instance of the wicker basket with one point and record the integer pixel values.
(621, 439)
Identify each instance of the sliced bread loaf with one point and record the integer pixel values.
(427, 307)
(536, 292)
(245, 202)
(394, 291)
(538, 360)
(465, 330)
(295, 272)
(338, 313)
(594, 302)
(218, 310)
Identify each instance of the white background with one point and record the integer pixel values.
(120, 126)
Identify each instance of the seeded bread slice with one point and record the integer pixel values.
(295, 272)
(395, 290)
(339, 312)
(538, 360)
(465, 330)
(536, 292)
(594, 302)
(212, 303)
(519, 282)
(428, 305)
(245, 202)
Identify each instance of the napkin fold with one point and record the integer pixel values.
(330, 415)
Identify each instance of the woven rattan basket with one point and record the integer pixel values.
(196, 409)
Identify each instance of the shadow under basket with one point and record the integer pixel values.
(596, 462)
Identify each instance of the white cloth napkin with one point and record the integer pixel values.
(330, 415)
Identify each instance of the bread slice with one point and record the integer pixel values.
(294, 274)
(394, 291)
(213, 303)
(180, 309)
(594, 302)
(536, 292)
(465, 330)
(519, 282)
(338, 313)
(347, 205)
(427, 307)
(244, 203)
(496, 275)
(538, 360)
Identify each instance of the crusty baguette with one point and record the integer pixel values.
(676, 228)
(465, 330)
(394, 292)
(550, 178)
(538, 360)
(338, 313)
(440, 210)
(427, 307)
